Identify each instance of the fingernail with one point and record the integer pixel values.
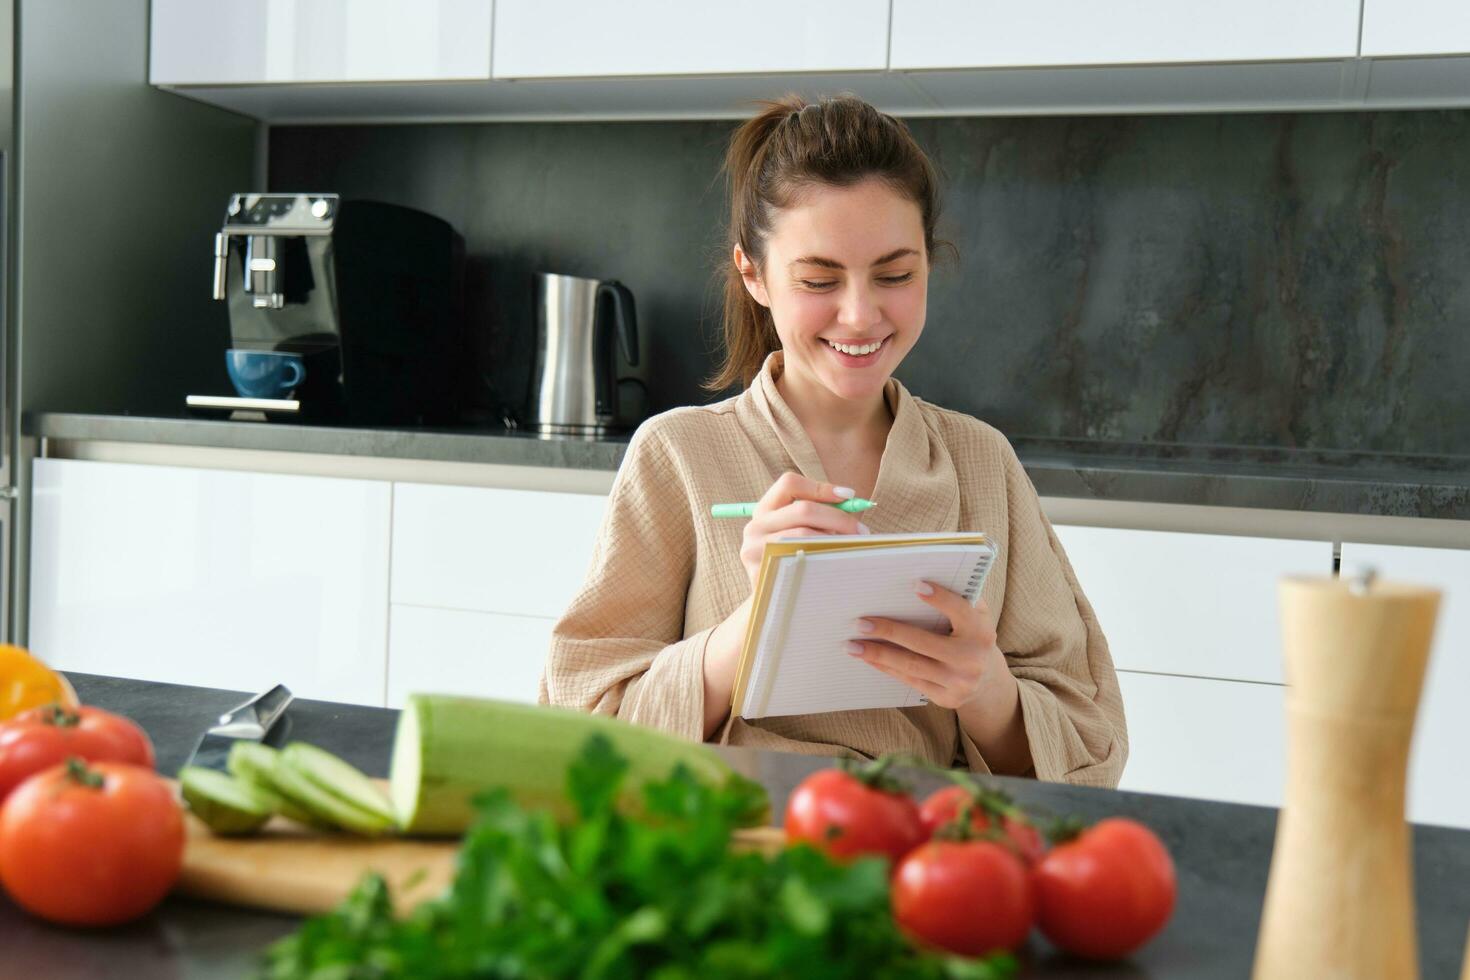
(924, 588)
(855, 648)
(864, 626)
(844, 492)
(863, 528)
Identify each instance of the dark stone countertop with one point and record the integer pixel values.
(1222, 853)
(1226, 476)
(490, 444)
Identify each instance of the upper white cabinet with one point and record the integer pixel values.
(1438, 790)
(1202, 605)
(1397, 28)
(327, 61)
(214, 42)
(577, 38)
(995, 34)
(212, 577)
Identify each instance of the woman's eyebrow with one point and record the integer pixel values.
(897, 253)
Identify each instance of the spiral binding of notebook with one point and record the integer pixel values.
(977, 577)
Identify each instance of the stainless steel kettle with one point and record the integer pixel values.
(574, 383)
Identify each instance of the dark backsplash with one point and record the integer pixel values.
(1291, 280)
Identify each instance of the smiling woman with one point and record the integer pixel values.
(833, 208)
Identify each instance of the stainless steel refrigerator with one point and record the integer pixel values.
(9, 411)
(112, 192)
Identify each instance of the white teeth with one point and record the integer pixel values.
(856, 350)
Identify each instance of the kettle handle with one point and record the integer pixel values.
(625, 315)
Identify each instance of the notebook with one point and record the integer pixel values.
(808, 598)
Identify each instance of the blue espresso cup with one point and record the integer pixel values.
(264, 373)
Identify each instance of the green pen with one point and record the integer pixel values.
(855, 505)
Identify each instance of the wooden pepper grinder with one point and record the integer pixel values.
(1340, 900)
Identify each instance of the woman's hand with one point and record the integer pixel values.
(949, 669)
(793, 507)
(964, 670)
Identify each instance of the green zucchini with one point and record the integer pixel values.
(226, 805)
(302, 794)
(338, 777)
(253, 763)
(449, 749)
(307, 793)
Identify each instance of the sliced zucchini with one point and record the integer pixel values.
(338, 777)
(225, 804)
(323, 804)
(253, 763)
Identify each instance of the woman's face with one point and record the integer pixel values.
(846, 280)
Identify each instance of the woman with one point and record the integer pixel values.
(832, 214)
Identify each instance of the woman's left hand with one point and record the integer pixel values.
(949, 669)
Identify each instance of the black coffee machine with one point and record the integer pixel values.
(368, 294)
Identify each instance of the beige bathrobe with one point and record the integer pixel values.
(664, 574)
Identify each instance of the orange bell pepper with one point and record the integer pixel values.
(25, 682)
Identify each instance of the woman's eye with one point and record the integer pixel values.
(818, 283)
(896, 280)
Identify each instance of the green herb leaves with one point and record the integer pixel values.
(659, 895)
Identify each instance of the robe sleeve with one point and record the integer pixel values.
(619, 649)
(1070, 701)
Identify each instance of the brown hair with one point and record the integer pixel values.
(789, 145)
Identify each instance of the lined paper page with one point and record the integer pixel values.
(812, 671)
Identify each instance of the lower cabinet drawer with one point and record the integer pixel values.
(1439, 793)
(1195, 605)
(220, 578)
(1209, 739)
(489, 550)
(451, 651)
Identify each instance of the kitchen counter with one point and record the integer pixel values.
(1222, 476)
(1222, 853)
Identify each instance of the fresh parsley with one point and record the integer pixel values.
(658, 895)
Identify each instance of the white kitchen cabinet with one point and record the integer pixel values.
(520, 552)
(1209, 739)
(211, 42)
(1396, 28)
(929, 34)
(574, 38)
(329, 61)
(218, 578)
(1202, 605)
(1439, 792)
(450, 651)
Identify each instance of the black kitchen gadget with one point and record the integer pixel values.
(367, 295)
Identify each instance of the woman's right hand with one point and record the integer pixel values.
(794, 507)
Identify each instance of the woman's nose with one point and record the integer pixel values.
(859, 308)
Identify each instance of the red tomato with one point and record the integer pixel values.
(47, 736)
(91, 845)
(1107, 892)
(969, 897)
(838, 813)
(945, 805)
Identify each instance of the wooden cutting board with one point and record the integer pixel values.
(292, 869)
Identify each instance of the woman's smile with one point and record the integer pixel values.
(857, 352)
